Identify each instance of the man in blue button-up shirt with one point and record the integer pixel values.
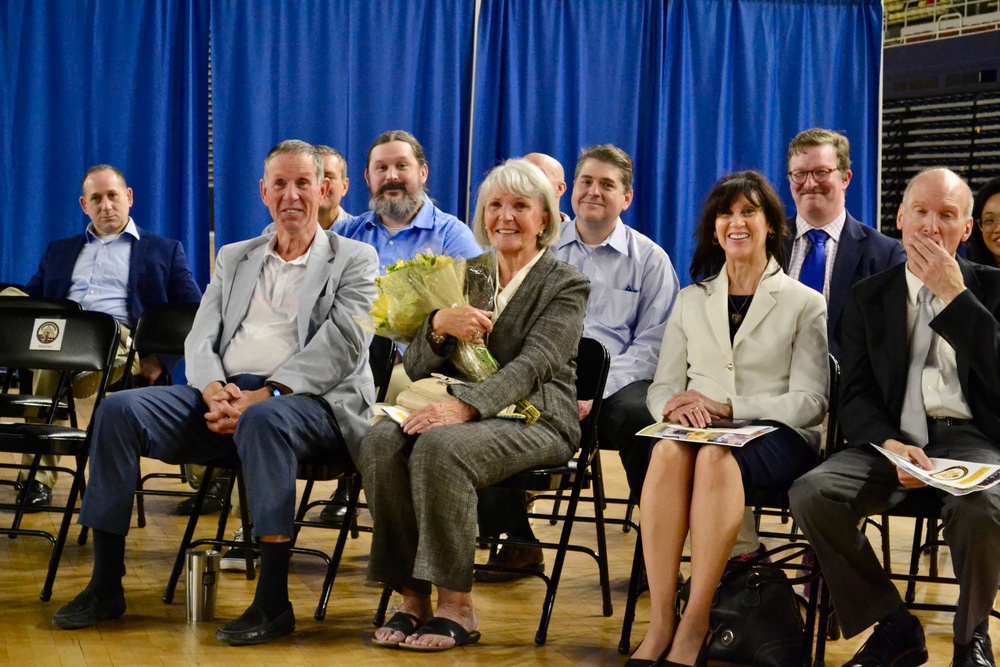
(403, 221)
(113, 267)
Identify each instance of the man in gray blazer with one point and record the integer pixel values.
(276, 363)
(921, 374)
(829, 250)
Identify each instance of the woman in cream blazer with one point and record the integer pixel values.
(744, 341)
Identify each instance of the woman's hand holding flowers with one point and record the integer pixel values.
(464, 323)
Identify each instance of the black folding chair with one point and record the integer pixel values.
(69, 342)
(23, 404)
(161, 330)
(592, 364)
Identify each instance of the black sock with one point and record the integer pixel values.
(109, 564)
(899, 616)
(272, 588)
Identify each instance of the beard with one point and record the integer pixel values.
(395, 209)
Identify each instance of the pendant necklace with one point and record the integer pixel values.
(737, 317)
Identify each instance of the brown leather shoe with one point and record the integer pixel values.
(517, 562)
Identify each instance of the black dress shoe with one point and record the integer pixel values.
(212, 502)
(900, 644)
(512, 558)
(86, 610)
(254, 628)
(977, 653)
(34, 497)
(335, 514)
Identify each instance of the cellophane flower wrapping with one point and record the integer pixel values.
(412, 289)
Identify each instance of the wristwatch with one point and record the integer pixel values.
(274, 389)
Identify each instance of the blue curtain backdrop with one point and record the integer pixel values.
(114, 81)
(692, 89)
(340, 73)
(745, 77)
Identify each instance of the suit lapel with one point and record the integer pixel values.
(717, 308)
(895, 357)
(318, 273)
(137, 260)
(761, 304)
(849, 251)
(243, 282)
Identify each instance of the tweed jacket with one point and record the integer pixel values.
(775, 368)
(534, 340)
(333, 360)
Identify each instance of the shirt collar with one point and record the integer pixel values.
(617, 239)
(130, 228)
(832, 228)
(271, 251)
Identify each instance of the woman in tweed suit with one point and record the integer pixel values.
(421, 478)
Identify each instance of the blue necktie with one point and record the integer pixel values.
(813, 270)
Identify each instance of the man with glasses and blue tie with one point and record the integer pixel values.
(830, 250)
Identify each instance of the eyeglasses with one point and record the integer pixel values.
(988, 223)
(819, 175)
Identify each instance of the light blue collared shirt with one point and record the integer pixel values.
(100, 275)
(633, 286)
(431, 229)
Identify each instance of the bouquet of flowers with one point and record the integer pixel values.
(412, 289)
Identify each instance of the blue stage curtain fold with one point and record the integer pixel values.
(121, 82)
(338, 73)
(691, 89)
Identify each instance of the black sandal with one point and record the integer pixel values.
(400, 622)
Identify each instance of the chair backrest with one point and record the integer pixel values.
(87, 340)
(381, 359)
(592, 363)
(162, 329)
(32, 302)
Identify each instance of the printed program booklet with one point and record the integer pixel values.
(721, 432)
(956, 477)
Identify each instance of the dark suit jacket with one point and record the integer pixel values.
(861, 252)
(158, 273)
(876, 356)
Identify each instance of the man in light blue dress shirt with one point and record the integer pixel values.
(112, 267)
(633, 286)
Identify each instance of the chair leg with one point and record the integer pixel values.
(933, 540)
(602, 538)
(553, 584)
(140, 504)
(57, 548)
(825, 607)
(199, 499)
(331, 571)
(911, 586)
(625, 643)
(629, 509)
(300, 513)
(383, 604)
(246, 521)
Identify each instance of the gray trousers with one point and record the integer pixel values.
(830, 501)
(421, 492)
(168, 423)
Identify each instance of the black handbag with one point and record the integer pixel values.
(756, 618)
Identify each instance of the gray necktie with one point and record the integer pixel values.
(913, 420)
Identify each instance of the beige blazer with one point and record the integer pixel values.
(776, 367)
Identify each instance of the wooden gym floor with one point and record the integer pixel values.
(152, 633)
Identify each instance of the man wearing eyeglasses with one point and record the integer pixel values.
(829, 249)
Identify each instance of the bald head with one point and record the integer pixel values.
(552, 170)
